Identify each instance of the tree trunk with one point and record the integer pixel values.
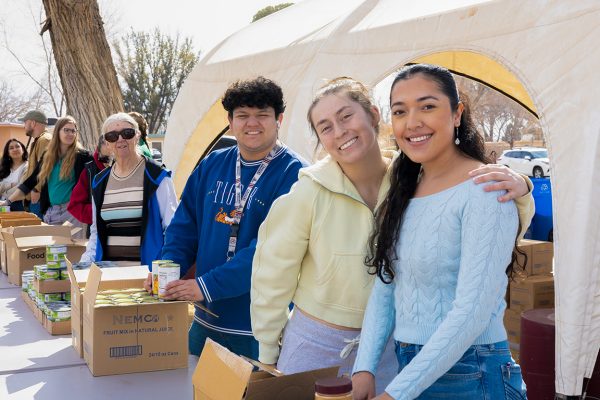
(84, 64)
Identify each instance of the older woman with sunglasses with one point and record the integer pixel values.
(57, 173)
(133, 201)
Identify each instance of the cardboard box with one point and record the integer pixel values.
(134, 338)
(14, 218)
(121, 277)
(28, 301)
(19, 218)
(512, 324)
(54, 328)
(37, 313)
(62, 286)
(222, 375)
(532, 292)
(539, 257)
(26, 247)
(57, 328)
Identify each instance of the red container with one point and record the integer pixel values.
(537, 356)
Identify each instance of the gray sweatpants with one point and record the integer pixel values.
(308, 344)
(57, 215)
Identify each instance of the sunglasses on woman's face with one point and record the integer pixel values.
(113, 136)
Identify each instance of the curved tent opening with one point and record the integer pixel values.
(205, 135)
(483, 69)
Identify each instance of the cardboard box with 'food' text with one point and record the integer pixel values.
(26, 247)
(14, 218)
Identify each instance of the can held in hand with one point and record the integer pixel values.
(155, 265)
(167, 272)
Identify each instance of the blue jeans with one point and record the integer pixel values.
(238, 344)
(35, 209)
(485, 372)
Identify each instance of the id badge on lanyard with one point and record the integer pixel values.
(240, 201)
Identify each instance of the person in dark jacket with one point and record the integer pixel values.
(133, 200)
(57, 173)
(12, 169)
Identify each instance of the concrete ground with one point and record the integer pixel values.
(36, 365)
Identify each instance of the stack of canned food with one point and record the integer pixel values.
(59, 311)
(27, 281)
(44, 273)
(56, 306)
(55, 256)
(27, 285)
(124, 297)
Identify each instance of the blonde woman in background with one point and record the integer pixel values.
(57, 173)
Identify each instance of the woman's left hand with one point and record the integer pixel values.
(506, 179)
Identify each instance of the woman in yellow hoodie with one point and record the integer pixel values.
(312, 246)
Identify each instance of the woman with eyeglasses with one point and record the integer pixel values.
(12, 169)
(133, 200)
(57, 174)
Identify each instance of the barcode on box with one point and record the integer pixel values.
(125, 351)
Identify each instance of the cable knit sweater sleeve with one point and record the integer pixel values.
(377, 327)
(488, 230)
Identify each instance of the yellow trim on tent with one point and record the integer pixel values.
(200, 141)
(483, 69)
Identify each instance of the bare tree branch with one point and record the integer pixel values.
(49, 83)
(13, 106)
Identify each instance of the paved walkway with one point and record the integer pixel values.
(37, 365)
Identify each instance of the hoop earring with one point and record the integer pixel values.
(457, 140)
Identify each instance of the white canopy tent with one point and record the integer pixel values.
(542, 53)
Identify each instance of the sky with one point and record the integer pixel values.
(207, 22)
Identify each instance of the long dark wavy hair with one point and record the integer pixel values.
(405, 173)
(7, 161)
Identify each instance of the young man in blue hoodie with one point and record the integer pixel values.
(223, 204)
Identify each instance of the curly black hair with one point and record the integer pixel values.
(7, 162)
(259, 92)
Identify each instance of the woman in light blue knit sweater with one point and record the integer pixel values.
(440, 250)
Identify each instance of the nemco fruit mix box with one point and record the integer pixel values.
(125, 338)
